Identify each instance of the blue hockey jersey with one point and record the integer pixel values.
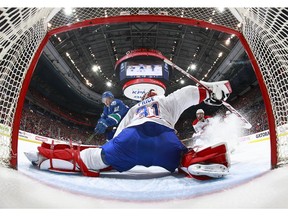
(115, 112)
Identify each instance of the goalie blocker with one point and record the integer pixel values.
(211, 162)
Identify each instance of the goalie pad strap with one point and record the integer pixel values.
(67, 154)
(51, 154)
(83, 167)
(64, 146)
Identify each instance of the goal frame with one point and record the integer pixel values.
(142, 18)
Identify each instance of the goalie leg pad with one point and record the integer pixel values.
(56, 146)
(69, 155)
(93, 159)
(59, 165)
(215, 155)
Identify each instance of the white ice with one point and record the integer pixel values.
(250, 184)
(148, 187)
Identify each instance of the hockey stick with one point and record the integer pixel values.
(90, 138)
(247, 125)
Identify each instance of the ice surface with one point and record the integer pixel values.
(30, 188)
(153, 184)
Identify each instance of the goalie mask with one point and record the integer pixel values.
(149, 94)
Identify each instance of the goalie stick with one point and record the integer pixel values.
(247, 125)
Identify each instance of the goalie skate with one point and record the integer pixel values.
(211, 170)
(34, 157)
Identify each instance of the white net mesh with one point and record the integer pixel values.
(23, 29)
(212, 15)
(266, 30)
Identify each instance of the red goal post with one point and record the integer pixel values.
(24, 33)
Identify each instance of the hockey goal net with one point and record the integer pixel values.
(25, 31)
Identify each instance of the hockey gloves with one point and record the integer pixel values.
(101, 126)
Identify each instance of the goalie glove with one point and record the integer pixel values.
(220, 91)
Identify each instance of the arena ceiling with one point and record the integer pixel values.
(91, 53)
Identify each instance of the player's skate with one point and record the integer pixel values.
(211, 170)
(219, 91)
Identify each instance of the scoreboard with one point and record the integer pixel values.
(141, 70)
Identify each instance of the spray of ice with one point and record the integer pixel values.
(222, 129)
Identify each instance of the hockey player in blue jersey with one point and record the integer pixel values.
(113, 112)
(146, 137)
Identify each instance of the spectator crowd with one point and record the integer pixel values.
(40, 116)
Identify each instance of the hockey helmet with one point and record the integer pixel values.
(200, 111)
(107, 94)
(149, 94)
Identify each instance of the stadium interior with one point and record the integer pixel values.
(75, 67)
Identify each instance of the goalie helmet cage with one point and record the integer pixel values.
(24, 33)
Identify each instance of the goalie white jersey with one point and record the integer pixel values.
(162, 110)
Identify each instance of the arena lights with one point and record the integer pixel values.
(192, 67)
(216, 60)
(125, 13)
(68, 11)
(228, 41)
(88, 82)
(96, 68)
(109, 84)
(221, 9)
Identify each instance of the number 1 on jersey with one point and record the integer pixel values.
(148, 110)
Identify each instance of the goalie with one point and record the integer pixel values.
(146, 137)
